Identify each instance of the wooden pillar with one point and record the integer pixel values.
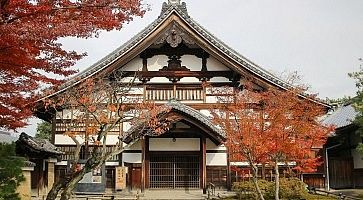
(143, 166)
(54, 126)
(203, 166)
(147, 159)
(121, 135)
(144, 163)
(229, 181)
(263, 169)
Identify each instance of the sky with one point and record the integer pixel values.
(320, 39)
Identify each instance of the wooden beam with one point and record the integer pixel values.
(180, 74)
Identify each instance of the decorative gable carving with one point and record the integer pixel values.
(174, 36)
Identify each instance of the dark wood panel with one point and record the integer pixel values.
(341, 172)
(217, 175)
(135, 177)
(358, 178)
(174, 171)
(314, 180)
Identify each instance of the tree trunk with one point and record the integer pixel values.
(277, 181)
(67, 192)
(53, 193)
(254, 179)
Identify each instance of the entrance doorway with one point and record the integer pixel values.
(135, 177)
(174, 171)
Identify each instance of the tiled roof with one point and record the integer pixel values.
(175, 6)
(341, 117)
(181, 11)
(37, 145)
(175, 105)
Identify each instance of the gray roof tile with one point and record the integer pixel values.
(181, 10)
(341, 117)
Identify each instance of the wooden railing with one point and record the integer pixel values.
(179, 94)
(64, 125)
(69, 153)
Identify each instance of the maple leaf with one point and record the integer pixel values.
(30, 51)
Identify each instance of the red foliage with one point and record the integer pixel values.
(272, 126)
(30, 55)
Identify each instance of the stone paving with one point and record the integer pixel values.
(350, 192)
(152, 195)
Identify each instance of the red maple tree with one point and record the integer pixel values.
(271, 127)
(30, 54)
(89, 113)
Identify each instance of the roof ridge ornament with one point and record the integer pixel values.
(175, 4)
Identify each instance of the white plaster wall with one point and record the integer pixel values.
(135, 146)
(192, 62)
(136, 90)
(65, 140)
(112, 139)
(129, 79)
(212, 146)
(357, 159)
(189, 80)
(214, 65)
(133, 65)
(131, 157)
(126, 126)
(219, 79)
(157, 62)
(181, 144)
(64, 114)
(216, 159)
(112, 163)
(159, 80)
(211, 99)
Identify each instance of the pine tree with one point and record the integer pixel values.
(358, 101)
(44, 130)
(10, 172)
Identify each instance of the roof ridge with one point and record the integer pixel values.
(180, 10)
(238, 57)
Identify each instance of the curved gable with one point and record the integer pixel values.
(178, 112)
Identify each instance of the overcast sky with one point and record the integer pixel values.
(320, 39)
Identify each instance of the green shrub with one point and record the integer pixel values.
(291, 188)
(246, 189)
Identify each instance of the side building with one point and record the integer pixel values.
(343, 161)
(177, 62)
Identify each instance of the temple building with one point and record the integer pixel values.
(176, 62)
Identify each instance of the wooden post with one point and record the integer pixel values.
(203, 166)
(143, 166)
(147, 159)
(229, 187)
(54, 126)
(174, 92)
(121, 135)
